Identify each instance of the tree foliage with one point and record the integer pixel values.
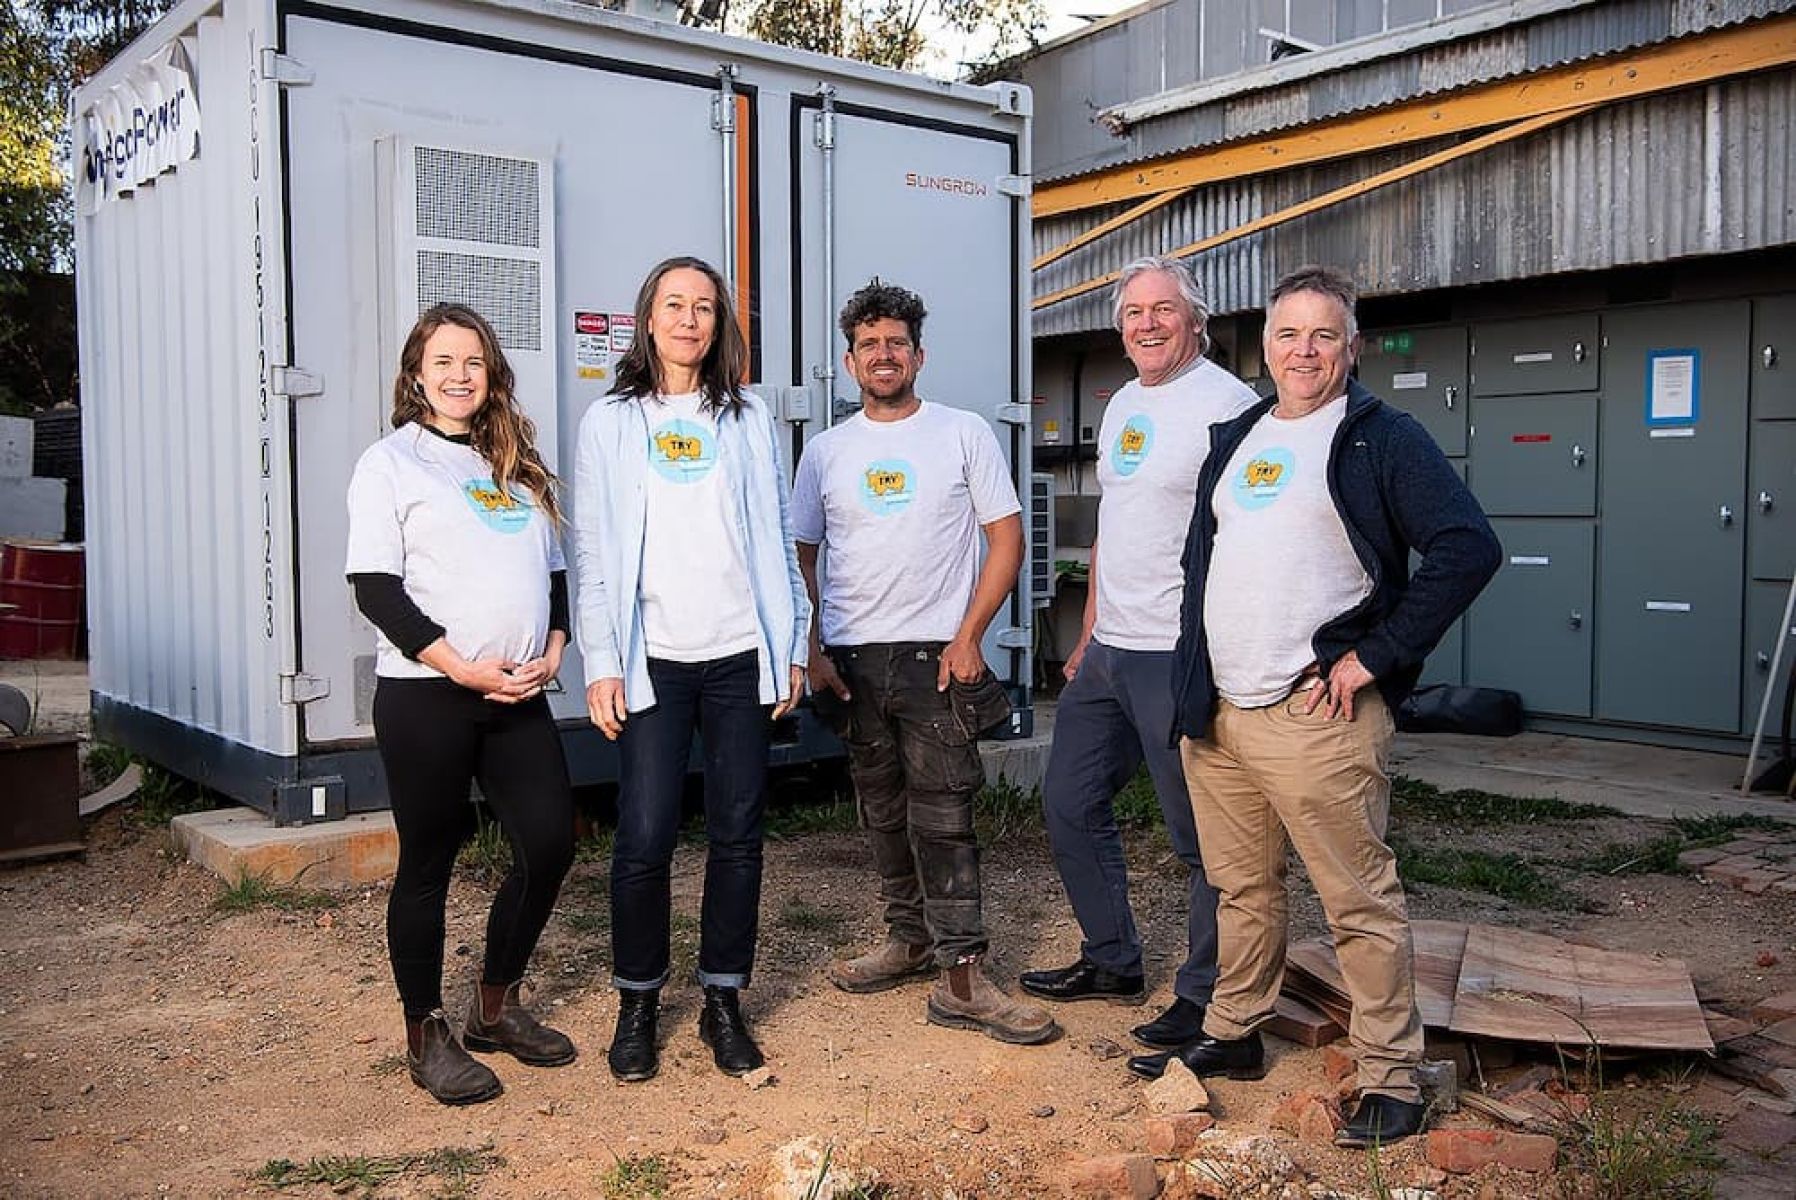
(896, 33)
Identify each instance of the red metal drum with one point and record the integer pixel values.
(42, 600)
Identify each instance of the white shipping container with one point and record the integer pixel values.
(270, 192)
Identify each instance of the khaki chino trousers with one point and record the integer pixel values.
(1275, 776)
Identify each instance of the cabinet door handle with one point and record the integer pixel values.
(1768, 356)
(1577, 619)
(1764, 501)
(1727, 516)
(1578, 352)
(1762, 661)
(1577, 456)
(1452, 395)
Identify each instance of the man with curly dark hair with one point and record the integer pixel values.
(896, 498)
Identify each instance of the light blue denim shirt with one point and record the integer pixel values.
(610, 516)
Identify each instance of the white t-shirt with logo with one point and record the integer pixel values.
(474, 559)
(696, 602)
(1152, 444)
(1281, 566)
(897, 507)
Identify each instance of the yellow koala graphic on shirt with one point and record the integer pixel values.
(1133, 440)
(882, 483)
(1261, 473)
(675, 446)
(491, 499)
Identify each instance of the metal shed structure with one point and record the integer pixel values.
(1573, 224)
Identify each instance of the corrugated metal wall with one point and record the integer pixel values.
(175, 552)
(1700, 172)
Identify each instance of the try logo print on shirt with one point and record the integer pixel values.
(888, 486)
(682, 451)
(497, 509)
(1264, 478)
(1133, 444)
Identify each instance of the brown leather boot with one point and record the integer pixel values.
(886, 967)
(442, 1067)
(512, 1029)
(966, 998)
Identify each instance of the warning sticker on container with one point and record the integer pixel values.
(592, 345)
(623, 332)
(1530, 560)
(1667, 606)
(1532, 437)
(1534, 356)
(1409, 381)
(1686, 431)
(1673, 391)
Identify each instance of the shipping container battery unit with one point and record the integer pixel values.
(270, 192)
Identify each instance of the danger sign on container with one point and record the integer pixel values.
(592, 345)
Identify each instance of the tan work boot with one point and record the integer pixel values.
(886, 967)
(966, 998)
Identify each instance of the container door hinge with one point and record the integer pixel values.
(300, 688)
(291, 381)
(1016, 637)
(1019, 186)
(289, 72)
(1014, 414)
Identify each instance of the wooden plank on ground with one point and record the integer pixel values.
(1534, 988)
(1296, 1021)
(1313, 974)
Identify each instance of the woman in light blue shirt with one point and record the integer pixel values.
(692, 613)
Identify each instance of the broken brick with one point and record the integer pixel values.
(1775, 1008)
(1112, 1177)
(1462, 1151)
(1308, 1117)
(1337, 1064)
(1176, 1135)
(1760, 1130)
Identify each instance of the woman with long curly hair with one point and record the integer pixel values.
(455, 558)
(692, 614)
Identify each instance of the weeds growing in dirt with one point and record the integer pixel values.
(163, 796)
(1509, 876)
(247, 893)
(389, 1064)
(1712, 831)
(836, 815)
(801, 916)
(456, 1167)
(1414, 798)
(487, 855)
(1002, 809)
(638, 1177)
(1659, 856)
(105, 762)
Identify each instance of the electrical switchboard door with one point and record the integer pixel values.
(1774, 357)
(1673, 555)
(1535, 357)
(1531, 630)
(1771, 500)
(1764, 616)
(1422, 372)
(1535, 456)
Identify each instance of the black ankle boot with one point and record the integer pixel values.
(720, 1026)
(633, 1056)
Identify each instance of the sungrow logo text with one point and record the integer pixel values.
(945, 183)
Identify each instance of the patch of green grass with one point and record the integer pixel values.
(1413, 798)
(638, 1177)
(1656, 857)
(390, 1064)
(105, 762)
(1001, 809)
(487, 855)
(1712, 831)
(801, 916)
(1509, 876)
(1138, 805)
(163, 796)
(1632, 1149)
(798, 818)
(456, 1167)
(247, 893)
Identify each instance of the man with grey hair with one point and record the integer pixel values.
(1302, 630)
(1116, 711)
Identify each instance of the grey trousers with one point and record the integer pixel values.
(1114, 715)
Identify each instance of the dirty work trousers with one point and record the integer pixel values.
(915, 773)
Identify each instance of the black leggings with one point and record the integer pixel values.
(435, 738)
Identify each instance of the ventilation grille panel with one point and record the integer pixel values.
(1041, 539)
(506, 291)
(470, 197)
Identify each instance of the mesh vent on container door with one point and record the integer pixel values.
(478, 198)
(506, 291)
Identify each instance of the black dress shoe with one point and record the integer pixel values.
(633, 1056)
(1183, 1021)
(1084, 980)
(1237, 1058)
(1379, 1121)
(721, 1027)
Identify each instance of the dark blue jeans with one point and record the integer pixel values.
(722, 699)
(1115, 714)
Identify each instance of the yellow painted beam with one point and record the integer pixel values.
(1117, 222)
(1687, 62)
(1303, 208)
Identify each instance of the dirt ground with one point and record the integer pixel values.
(153, 1045)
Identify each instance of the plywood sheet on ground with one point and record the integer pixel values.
(1314, 975)
(1534, 988)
